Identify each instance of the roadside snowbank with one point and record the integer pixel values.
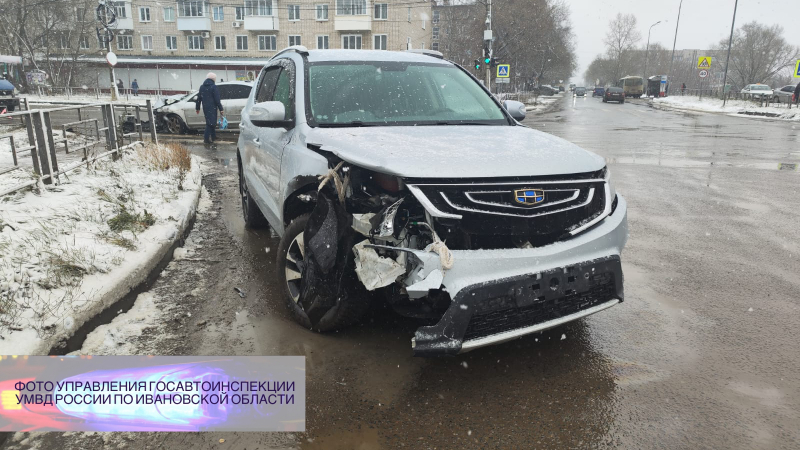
(543, 103)
(741, 108)
(69, 251)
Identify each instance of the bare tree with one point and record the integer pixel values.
(758, 53)
(621, 38)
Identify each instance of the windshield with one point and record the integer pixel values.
(397, 93)
(760, 88)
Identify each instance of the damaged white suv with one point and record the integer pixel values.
(397, 177)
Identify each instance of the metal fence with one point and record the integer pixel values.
(96, 93)
(102, 128)
(762, 101)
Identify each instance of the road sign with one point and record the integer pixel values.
(111, 58)
(503, 70)
(704, 62)
(797, 69)
(502, 80)
(703, 73)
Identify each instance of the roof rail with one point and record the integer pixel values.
(295, 48)
(424, 51)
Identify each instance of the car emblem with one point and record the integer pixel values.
(529, 196)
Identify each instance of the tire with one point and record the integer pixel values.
(604, 100)
(347, 311)
(175, 124)
(621, 102)
(10, 108)
(253, 217)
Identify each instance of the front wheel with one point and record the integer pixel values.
(175, 124)
(253, 218)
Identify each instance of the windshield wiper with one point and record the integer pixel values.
(355, 123)
(456, 122)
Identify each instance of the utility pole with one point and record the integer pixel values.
(487, 38)
(108, 19)
(728, 59)
(647, 52)
(674, 41)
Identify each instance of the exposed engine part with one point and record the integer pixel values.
(387, 224)
(373, 270)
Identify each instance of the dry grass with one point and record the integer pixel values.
(168, 156)
(127, 220)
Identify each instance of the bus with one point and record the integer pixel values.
(632, 86)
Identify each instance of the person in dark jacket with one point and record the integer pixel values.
(209, 98)
(135, 87)
(797, 94)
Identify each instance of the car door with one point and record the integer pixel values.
(193, 120)
(238, 95)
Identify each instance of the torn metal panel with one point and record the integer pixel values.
(373, 270)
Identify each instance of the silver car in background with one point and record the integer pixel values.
(180, 116)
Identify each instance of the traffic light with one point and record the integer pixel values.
(477, 64)
(495, 62)
(487, 55)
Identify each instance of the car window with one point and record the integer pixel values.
(239, 91)
(283, 93)
(267, 84)
(224, 92)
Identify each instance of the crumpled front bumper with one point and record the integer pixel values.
(498, 295)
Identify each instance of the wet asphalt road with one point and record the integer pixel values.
(702, 353)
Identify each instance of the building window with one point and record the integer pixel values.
(267, 43)
(172, 42)
(435, 46)
(119, 9)
(408, 43)
(294, 40)
(241, 42)
(169, 14)
(63, 42)
(144, 14)
(258, 7)
(218, 14)
(381, 11)
(192, 8)
(379, 41)
(436, 16)
(322, 12)
(294, 12)
(219, 43)
(409, 14)
(147, 42)
(240, 12)
(124, 42)
(351, 7)
(196, 43)
(79, 13)
(423, 23)
(435, 32)
(351, 41)
(422, 46)
(83, 42)
(322, 42)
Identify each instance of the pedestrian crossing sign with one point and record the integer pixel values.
(797, 69)
(503, 70)
(704, 62)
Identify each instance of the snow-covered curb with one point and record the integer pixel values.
(105, 288)
(543, 104)
(735, 108)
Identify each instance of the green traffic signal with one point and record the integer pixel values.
(487, 60)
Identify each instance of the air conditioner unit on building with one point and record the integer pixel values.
(206, 34)
(237, 24)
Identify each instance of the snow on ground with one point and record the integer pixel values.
(734, 107)
(90, 98)
(542, 103)
(68, 250)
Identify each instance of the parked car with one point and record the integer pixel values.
(546, 89)
(571, 87)
(580, 91)
(598, 91)
(413, 210)
(180, 117)
(757, 91)
(784, 94)
(614, 94)
(561, 89)
(8, 96)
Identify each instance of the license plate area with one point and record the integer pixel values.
(558, 283)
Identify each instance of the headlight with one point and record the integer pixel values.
(612, 192)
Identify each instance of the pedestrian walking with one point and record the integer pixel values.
(209, 98)
(797, 94)
(135, 87)
(120, 86)
(683, 88)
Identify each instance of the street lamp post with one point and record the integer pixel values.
(674, 41)
(647, 51)
(728, 59)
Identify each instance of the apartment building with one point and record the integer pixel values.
(189, 37)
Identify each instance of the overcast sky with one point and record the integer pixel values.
(703, 22)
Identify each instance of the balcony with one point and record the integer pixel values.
(195, 23)
(352, 23)
(124, 23)
(261, 23)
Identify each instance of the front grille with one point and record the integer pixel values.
(493, 208)
(490, 320)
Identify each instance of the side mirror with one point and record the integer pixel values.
(269, 114)
(515, 108)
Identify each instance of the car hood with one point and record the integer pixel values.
(455, 151)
